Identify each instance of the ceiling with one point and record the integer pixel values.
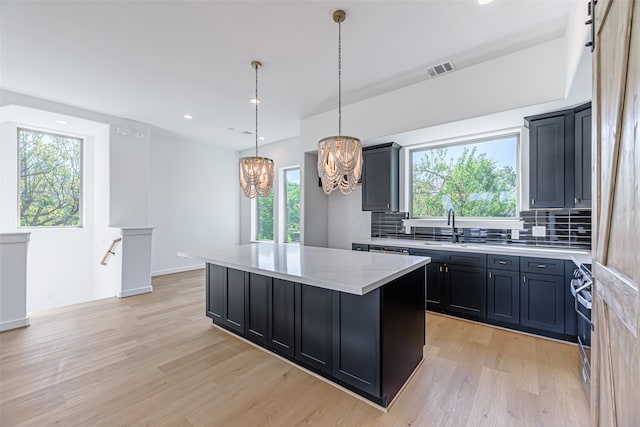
(154, 61)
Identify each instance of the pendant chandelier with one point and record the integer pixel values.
(339, 157)
(256, 173)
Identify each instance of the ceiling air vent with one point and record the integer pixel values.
(437, 70)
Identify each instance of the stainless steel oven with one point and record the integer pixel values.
(581, 289)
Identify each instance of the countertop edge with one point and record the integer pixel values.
(309, 281)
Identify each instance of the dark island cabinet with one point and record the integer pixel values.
(257, 293)
(281, 312)
(381, 178)
(546, 159)
(582, 171)
(234, 297)
(313, 326)
(356, 340)
(466, 290)
(216, 284)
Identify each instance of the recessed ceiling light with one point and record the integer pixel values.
(483, 2)
(62, 122)
(188, 116)
(254, 101)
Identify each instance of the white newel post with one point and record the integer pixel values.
(13, 280)
(136, 261)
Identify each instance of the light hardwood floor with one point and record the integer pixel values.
(155, 359)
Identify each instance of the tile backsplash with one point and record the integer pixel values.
(570, 228)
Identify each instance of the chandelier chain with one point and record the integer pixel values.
(339, 78)
(257, 102)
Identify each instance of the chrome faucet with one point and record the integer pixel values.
(451, 221)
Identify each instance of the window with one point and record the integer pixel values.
(49, 174)
(477, 179)
(291, 205)
(264, 220)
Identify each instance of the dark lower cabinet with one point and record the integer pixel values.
(280, 331)
(503, 296)
(435, 287)
(356, 340)
(466, 290)
(234, 297)
(257, 293)
(542, 302)
(313, 326)
(216, 284)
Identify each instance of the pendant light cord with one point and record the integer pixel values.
(257, 102)
(339, 79)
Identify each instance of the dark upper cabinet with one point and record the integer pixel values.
(313, 327)
(381, 178)
(560, 159)
(257, 293)
(542, 302)
(582, 164)
(216, 284)
(281, 312)
(234, 300)
(546, 162)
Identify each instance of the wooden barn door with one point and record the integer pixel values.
(615, 389)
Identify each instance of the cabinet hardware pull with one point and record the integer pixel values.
(524, 279)
(533, 201)
(440, 269)
(489, 275)
(446, 269)
(387, 204)
(502, 262)
(542, 266)
(576, 200)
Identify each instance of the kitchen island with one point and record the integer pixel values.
(354, 318)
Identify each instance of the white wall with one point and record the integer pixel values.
(193, 199)
(284, 154)
(493, 95)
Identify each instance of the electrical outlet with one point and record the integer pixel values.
(538, 231)
(515, 234)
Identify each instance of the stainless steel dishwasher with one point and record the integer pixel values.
(389, 250)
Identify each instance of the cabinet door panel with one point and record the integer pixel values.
(356, 340)
(582, 165)
(313, 327)
(434, 288)
(281, 317)
(503, 296)
(542, 302)
(547, 149)
(216, 283)
(466, 290)
(256, 307)
(380, 178)
(234, 300)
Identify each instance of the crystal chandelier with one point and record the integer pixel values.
(339, 157)
(256, 173)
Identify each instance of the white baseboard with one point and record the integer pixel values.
(13, 324)
(136, 291)
(177, 270)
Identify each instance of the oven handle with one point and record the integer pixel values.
(575, 306)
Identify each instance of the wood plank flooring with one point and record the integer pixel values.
(155, 359)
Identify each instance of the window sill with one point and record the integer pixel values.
(510, 224)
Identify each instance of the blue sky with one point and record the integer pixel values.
(502, 150)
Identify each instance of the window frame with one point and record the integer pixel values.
(81, 197)
(492, 222)
(282, 202)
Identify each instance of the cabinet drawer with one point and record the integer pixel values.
(503, 262)
(466, 258)
(542, 266)
(436, 255)
(360, 247)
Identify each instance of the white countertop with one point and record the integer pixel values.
(341, 270)
(579, 256)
